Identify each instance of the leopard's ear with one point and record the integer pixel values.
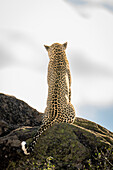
(47, 47)
(65, 45)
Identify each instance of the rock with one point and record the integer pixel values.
(82, 145)
(15, 113)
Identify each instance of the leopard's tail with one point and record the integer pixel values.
(28, 149)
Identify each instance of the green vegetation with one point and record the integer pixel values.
(100, 159)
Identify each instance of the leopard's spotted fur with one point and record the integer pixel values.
(59, 107)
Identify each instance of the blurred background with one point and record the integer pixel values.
(87, 26)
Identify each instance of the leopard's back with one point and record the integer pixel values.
(59, 107)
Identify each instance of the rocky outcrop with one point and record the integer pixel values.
(83, 145)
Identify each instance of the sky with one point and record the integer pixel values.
(26, 25)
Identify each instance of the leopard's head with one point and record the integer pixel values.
(56, 49)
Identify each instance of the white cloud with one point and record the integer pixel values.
(25, 84)
(85, 7)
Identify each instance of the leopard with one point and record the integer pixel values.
(59, 108)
